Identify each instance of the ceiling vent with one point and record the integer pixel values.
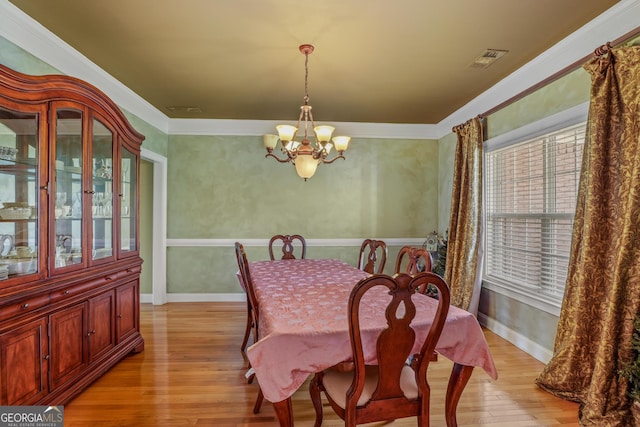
(487, 58)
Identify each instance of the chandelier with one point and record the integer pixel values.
(305, 155)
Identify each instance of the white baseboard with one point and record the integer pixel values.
(523, 343)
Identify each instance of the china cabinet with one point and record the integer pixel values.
(69, 244)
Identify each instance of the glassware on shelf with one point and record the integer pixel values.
(96, 204)
(107, 200)
(6, 244)
(61, 199)
(125, 169)
(76, 207)
(61, 207)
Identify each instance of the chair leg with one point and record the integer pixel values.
(259, 399)
(316, 398)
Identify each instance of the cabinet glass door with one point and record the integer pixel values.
(68, 209)
(102, 192)
(18, 193)
(128, 202)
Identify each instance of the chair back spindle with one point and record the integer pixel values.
(290, 245)
(417, 260)
(373, 256)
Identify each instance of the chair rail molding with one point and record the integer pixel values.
(395, 241)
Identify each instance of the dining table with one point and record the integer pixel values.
(303, 329)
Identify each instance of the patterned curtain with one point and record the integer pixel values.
(463, 270)
(602, 293)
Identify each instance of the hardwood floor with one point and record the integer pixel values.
(192, 374)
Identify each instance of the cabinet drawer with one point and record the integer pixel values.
(131, 272)
(23, 306)
(70, 291)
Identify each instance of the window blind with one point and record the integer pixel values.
(530, 198)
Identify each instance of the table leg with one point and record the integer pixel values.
(460, 375)
(284, 412)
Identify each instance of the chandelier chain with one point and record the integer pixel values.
(306, 78)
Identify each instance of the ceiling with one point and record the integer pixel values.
(375, 61)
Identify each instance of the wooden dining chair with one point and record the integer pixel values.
(252, 312)
(418, 260)
(290, 244)
(391, 388)
(252, 325)
(373, 256)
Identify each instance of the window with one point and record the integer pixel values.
(530, 196)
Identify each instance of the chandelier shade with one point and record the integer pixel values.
(305, 155)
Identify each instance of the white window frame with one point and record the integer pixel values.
(555, 122)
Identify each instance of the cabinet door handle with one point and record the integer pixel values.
(46, 357)
(44, 187)
(119, 316)
(91, 332)
(108, 278)
(66, 292)
(25, 305)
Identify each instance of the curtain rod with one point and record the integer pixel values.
(603, 49)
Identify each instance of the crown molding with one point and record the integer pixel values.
(24, 31)
(261, 127)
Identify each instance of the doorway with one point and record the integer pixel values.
(153, 227)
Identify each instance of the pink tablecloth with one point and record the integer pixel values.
(303, 324)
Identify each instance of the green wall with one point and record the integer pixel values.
(20, 60)
(559, 95)
(154, 139)
(223, 187)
